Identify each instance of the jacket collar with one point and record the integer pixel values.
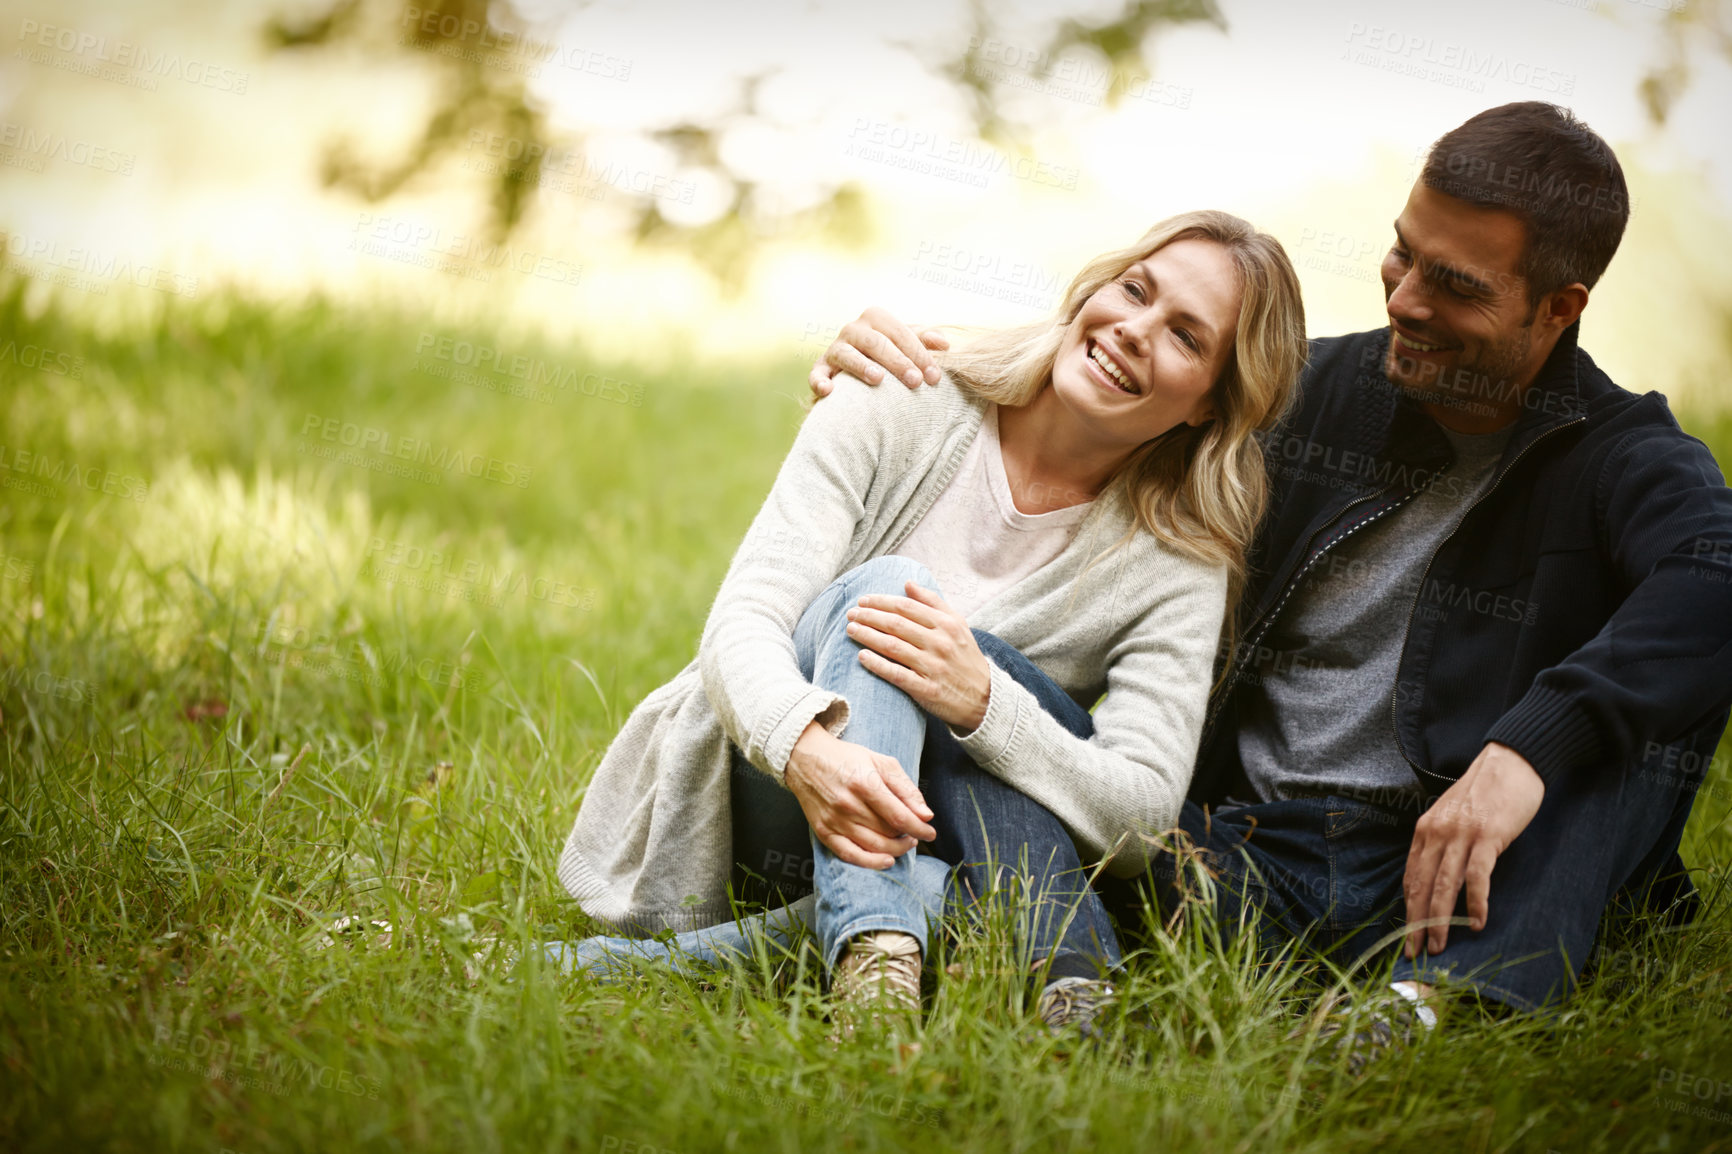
(1399, 449)
(1552, 399)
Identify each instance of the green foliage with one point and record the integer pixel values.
(239, 710)
(1686, 31)
(477, 95)
(481, 51)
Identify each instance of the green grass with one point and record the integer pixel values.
(234, 711)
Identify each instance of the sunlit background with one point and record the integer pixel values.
(671, 180)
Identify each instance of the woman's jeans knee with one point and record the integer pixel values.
(850, 899)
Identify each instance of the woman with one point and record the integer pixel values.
(938, 584)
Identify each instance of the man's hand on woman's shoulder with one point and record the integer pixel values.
(875, 342)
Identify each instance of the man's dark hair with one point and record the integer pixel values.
(1539, 162)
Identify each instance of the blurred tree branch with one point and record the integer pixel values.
(978, 70)
(1685, 23)
(482, 88)
(473, 96)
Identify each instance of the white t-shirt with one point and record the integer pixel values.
(975, 540)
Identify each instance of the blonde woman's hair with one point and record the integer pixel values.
(1202, 489)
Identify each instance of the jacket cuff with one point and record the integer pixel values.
(1550, 730)
(828, 709)
(997, 731)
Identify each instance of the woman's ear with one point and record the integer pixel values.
(1203, 414)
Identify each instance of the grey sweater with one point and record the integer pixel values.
(652, 844)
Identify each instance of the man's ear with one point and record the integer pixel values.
(1562, 307)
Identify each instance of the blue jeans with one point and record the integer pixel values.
(770, 936)
(1010, 851)
(1328, 872)
(1322, 871)
(986, 829)
(771, 836)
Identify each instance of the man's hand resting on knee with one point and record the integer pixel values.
(862, 805)
(875, 342)
(1460, 837)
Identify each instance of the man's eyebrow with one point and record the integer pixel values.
(1207, 333)
(1441, 270)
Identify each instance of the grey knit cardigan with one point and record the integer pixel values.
(651, 848)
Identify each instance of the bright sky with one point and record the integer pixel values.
(1305, 117)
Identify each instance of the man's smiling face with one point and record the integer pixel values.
(1461, 327)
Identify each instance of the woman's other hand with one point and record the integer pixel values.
(923, 647)
(862, 805)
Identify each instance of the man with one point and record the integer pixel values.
(1489, 612)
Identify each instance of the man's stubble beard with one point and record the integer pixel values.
(1476, 386)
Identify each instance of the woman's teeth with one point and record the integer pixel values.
(1106, 363)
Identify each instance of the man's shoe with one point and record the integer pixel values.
(878, 980)
(1075, 1004)
(1368, 1032)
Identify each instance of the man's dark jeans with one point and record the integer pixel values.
(1327, 871)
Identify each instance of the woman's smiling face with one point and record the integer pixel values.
(1146, 349)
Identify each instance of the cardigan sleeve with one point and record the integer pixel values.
(795, 547)
(1128, 780)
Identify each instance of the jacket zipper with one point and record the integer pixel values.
(1268, 619)
(1412, 610)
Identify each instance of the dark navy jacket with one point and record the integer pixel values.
(1581, 612)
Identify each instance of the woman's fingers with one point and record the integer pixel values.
(851, 853)
(871, 840)
(915, 686)
(855, 819)
(863, 806)
(896, 779)
(892, 810)
(895, 624)
(887, 644)
(931, 597)
(908, 607)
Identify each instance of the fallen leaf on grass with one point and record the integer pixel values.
(204, 710)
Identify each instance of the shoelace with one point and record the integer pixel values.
(881, 964)
(1387, 1026)
(1074, 1002)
